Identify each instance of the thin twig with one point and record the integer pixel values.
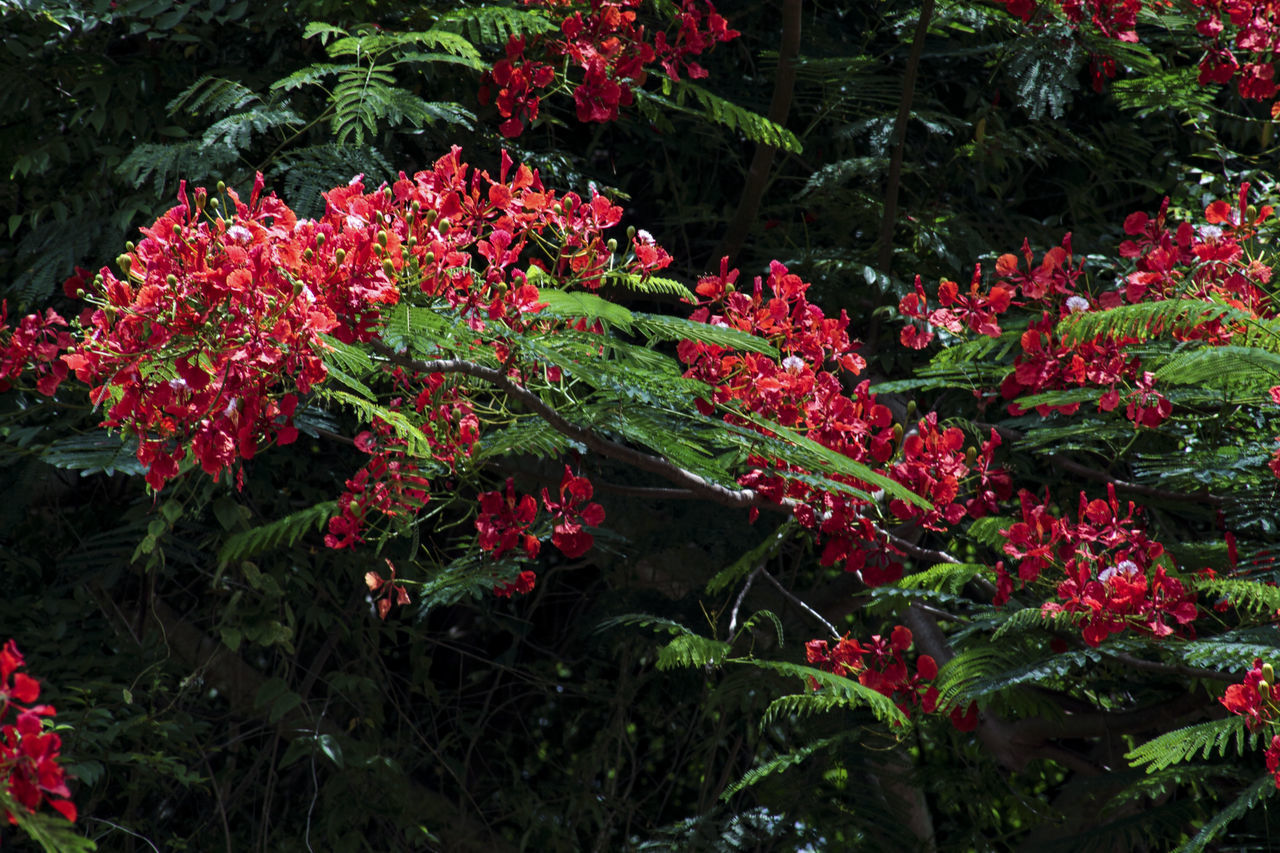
(733, 615)
(798, 603)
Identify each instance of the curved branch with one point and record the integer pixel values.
(780, 106)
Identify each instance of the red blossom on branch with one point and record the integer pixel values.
(29, 769)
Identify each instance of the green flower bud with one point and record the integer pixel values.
(388, 268)
(213, 202)
(382, 238)
(171, 280)
(307, 254)
(612, 245)
(429, 258)
(126, 263)
(631, 232)
(340, 256)
(443, 226)
(431, 217)
(1268, 674)
(222, 187)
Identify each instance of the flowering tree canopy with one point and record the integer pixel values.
(507, 428)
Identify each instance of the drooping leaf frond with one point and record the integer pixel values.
(1211, 738)
(283, 531)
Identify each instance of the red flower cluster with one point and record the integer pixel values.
(880, 666)
(1252, 698)
(212, 333)
(1112, 576)
(189, 349)
(391, 484)
(1248, 27)
(37, 345)
(604, 40)
(1240, 37)
(504, 522)
(570, 512)
(505, 519)
(29, 769)
(1209, 262)
(803, 391)
(386, 591)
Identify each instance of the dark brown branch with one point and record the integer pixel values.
(899, 138)
(779, 107)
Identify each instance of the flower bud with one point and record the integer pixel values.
(177, 230)
(129, 246)
(307, 254)
(126, 263)
(382, 238)
(431, 217)
(386, 192)
(631, 232)
(612, 245)
(222, 187)
(171, 280)
(729, 287)
(429, 258)
(897, 433)
(1252, 212)
(213, 203)
(340, 256)
(388, 268)
(1264, 690)
(443, 226)
(413, 241)
(201, 198)
(557, 209)
(416, 206)
(1268, 674)
(970, 456)
(319, 240)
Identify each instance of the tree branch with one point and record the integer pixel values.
(605, 447)
(779, 107)
(899, 137)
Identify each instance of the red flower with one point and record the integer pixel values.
(570, 515)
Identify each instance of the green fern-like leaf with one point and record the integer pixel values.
(1177, 746)
(691, 650)
(1242, 367)
(1147, 319)
(695, 100)
(494, 24)
(1260, 790)
(651, 284)
(1245, 595)
(947, 577)
(835, 692)
(657, 327)
(212, 96)
(94, 452)
(284, 531)
(781, 763)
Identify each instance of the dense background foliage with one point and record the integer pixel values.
(222, 678)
